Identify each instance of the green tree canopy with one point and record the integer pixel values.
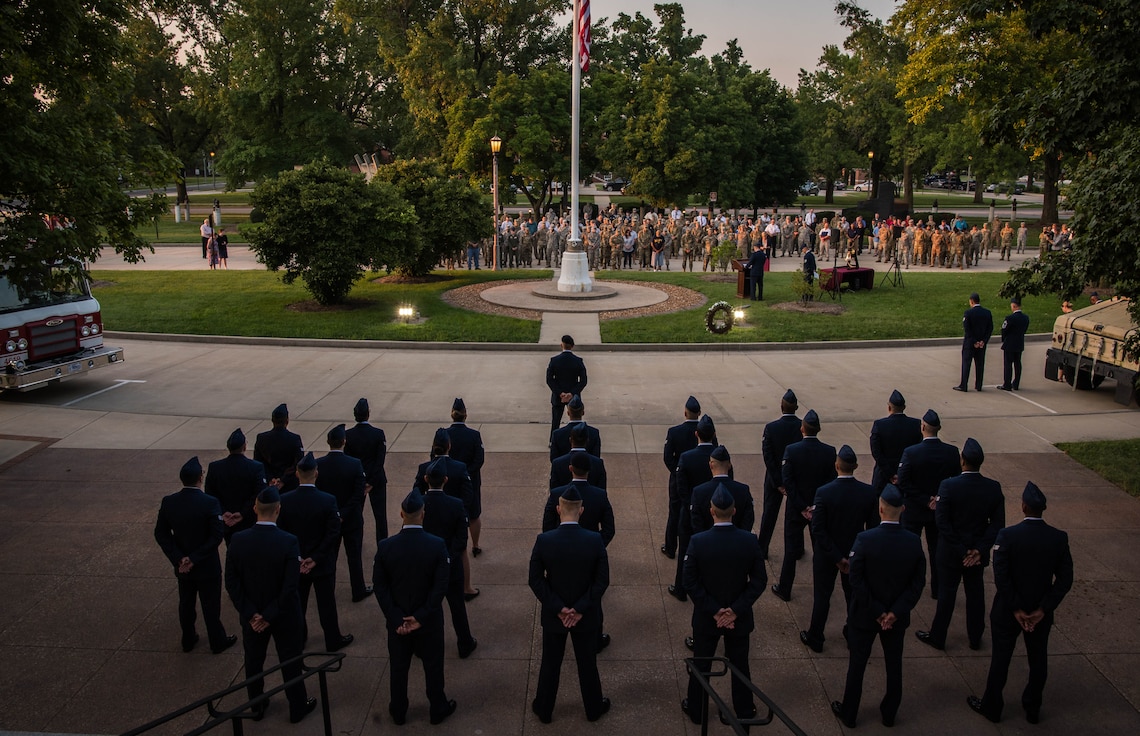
(65, 144)
(326, 225)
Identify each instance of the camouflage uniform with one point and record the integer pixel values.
(688, 247)
(938, 248)
(616, 243)
(1007, 237)
(708, 242)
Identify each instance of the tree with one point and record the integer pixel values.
(830, 144)
(326, 225)
(65, 144)
(299, 82)
(168, 108)
(987, 59)
(450, 213)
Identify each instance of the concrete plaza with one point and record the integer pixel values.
(88, 625)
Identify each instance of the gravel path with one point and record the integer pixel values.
(680, 298)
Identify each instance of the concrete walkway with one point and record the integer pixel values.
(88, 632)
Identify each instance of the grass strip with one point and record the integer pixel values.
(1117, 461)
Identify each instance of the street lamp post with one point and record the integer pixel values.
(496, 146)
(1013, 209)
(213, 171)
(871, 174)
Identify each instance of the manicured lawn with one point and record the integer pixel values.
(929, 305)
(1117, 461)
(256, 303)
(187, 232)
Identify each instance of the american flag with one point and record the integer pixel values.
(584, 35)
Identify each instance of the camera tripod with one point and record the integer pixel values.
(894, 275)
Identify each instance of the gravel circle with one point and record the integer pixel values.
(679, 299)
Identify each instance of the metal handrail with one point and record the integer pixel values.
(726, 713)
(236, 715)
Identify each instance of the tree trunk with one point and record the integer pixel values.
(908, 186)
(1049, 179)
(978, 189)
(181, 195)
(829, 192)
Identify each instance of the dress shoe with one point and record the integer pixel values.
(999, 387)
(228, 642)
(362, 595)
(667, 553)
(927, 639)
(309, 706)
(685, 709)
(465, 651)
(1033, 716)
(188, 644)
(471, 596)
(975, 704)
(888, 721)
(960, 388)
(601, 711)
(690, 643)
(807, 641)
(399, 718)
(476, 551)
(541, 718)
(678, 593)
(341, 643)
(441, 717)
(603, 642)
(837, 709)
(258, 710)
(975, 645)
(779, 593)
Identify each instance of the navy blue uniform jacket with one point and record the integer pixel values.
(701, 500)
(368, 445)
(467, 448)
(924, 466)
(263, 568)
(565, 374)
(458, 483)
(311, 515)
(888, 572)
(445, 518)
(560, 473)
(279, 450)
(569, 568)
(808, 464)
(342, 476)
(597, 512)
(777, 436)
(970, 512)
(190, 525)
(560, 441)
(235, 481)
(890, 436)
(977, 325)
(410, 577)
(724, 569)
(843, 508)
(1033, 567)
(1013, 329)
(679, 440)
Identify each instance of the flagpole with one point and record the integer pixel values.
(575, 273)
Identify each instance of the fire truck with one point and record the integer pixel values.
(52, 328)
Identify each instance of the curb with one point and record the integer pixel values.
(739, 347)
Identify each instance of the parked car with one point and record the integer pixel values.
(809, 188)
(863, 186)
(840, 185)
(615, 185)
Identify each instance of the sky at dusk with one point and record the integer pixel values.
(783, 36)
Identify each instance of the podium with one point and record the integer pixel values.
(738, 265)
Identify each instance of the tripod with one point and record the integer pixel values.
(894, 275)
(836, 290)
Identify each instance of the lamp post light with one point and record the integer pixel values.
(213, 171)
(496, 146)
(870, 174)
